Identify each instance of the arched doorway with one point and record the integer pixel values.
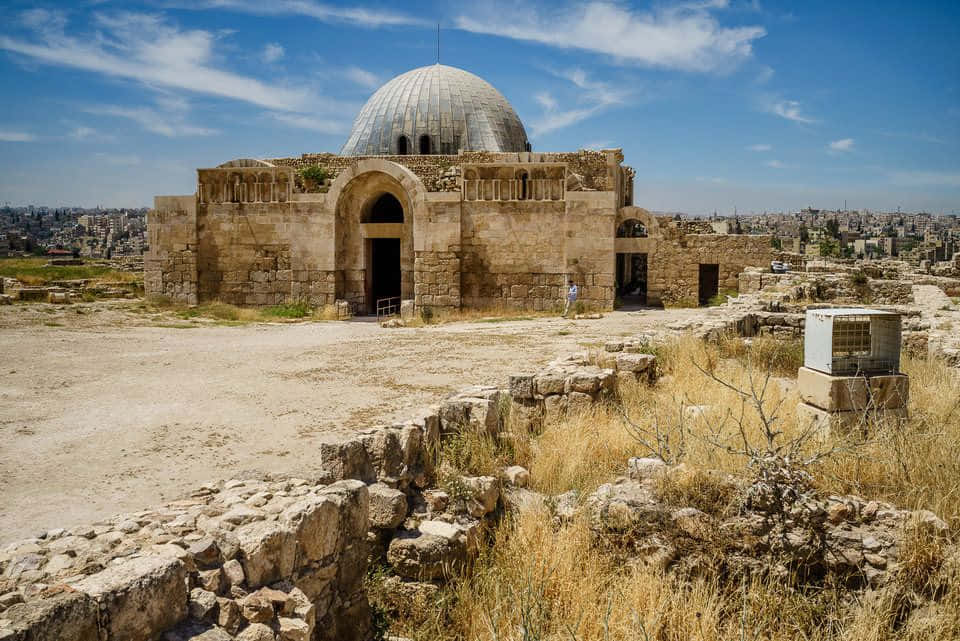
(403, 146)
(383, 248)
(425, 144)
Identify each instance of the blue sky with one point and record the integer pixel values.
(717, 104)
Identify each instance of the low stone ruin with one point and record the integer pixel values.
(266, 559)
(278, 559)
(757, 529)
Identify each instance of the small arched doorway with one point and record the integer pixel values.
(424, 144)
(403, 146)
(383, 249)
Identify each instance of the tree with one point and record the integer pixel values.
(804, 234)
(833, 228)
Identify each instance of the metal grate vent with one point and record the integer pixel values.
(845, 342)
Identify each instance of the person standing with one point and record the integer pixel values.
(571, 298)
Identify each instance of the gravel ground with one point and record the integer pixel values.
(105, 409)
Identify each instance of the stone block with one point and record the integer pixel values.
(890, 391)
(315, 523)
(832, 393)
(388, 507)
(268, 550)
(521, 386)
(66, 616)
(139, 597)
(548, 383)
(635, 363)
(415, 555)
(810, 417)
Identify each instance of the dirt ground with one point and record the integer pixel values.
(104, 409)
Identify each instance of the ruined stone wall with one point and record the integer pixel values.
(241, 555)
(595, 170)
(170, 267)
(266, 253)
(673, 265)
(284, 558)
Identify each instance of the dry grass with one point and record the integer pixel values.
(538, 581)
(225, 313)
(37, 272)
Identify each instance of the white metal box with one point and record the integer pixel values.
(852, 341)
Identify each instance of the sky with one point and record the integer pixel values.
(719, 105)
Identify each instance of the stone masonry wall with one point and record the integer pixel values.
(592, 168)
(265, 253)
(170, 267)
(673, 272)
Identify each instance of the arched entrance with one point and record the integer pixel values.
(383, 249)
(376, 204)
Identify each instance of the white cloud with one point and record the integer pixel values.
(761, 147)
(119, 160)
(845, 144)
(362, 77)
(789, 109)
(596, 96)
(686, 37)
(776, 164)
(359, 16)
(82, 133)
(149, 49)
(764, 75)
(16, 136)
(164, 124)
(272, 52)
(546, 101)
(322, 125)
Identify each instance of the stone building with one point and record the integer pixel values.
(436, 197)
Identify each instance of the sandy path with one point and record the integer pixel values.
(96, 420)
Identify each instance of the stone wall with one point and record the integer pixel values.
(845, 287)
(673, 264)
(170, 267)
(265, 253)
(241, 555)
(593, 169)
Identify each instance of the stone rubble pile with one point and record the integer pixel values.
(574, 383)
(852, 539)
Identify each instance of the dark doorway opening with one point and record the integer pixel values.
(632, 279)
(403, 146)
(424, 144)
(709, 283)
(387, 209)
(384, 269)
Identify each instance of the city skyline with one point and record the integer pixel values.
(717, 105)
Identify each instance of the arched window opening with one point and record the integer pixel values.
(386, 209)
(403, 146)
(632, 228)
(424, 144)
(524, 180)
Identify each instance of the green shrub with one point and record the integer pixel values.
(721, 297)
(299, 309)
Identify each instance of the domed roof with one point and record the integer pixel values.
(438, 110)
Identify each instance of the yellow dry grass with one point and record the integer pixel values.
(538, 581)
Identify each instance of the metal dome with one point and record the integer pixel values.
(437, 110)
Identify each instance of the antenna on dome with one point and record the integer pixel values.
(438, 43)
